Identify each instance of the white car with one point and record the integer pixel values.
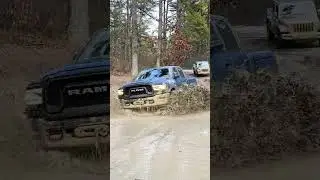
(201, 68)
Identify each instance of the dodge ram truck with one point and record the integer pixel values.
(226, 55)
(293, 20)
(69, 106)
(153, 86)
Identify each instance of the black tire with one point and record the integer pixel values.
(195, 73)
(270, 35)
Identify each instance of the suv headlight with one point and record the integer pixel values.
(159, 87)
(120, 92)
(33, 96)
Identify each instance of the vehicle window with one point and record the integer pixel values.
(181, 73)
(215, 37)
(203, 64)
(152, 73)
(97, 49)
(298, 9)
(230, 41)
(163, 72)
(175, 71)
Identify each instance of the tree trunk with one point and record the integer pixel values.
(79, 23)
(127, 39)
(135, 65)
(165, 26)
(179, 14)
(160, 33)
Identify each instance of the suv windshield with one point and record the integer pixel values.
(298, 9)
(203, 64)
(152, 73)
(96, 49)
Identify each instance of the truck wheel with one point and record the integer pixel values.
(195, 73)
(270, 35)
(161, 111)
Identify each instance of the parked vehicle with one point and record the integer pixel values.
(226, 55)
(293, 20)
(69, 106)
(153, 86)
(201, 68)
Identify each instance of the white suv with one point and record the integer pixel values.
(293, 20)
(201, 68)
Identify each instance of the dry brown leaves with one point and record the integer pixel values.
(263, 117)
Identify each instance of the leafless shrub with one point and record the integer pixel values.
(188, 100)
(263, 117)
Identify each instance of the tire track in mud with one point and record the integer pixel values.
(162, 148)
(194, 156)
(138, 152)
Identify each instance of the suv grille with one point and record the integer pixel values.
(306, 27)
(138, 91)
(76, 92)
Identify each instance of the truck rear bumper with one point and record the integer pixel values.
(157, 100)
(301, 36)
(74, 133)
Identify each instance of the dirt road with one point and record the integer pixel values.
(145, 146)
(149, 147)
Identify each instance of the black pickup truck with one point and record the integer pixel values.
(69, 106)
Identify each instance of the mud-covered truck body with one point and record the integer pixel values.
(69, 106)
(153, 86)
(226, 55)
(294, 20)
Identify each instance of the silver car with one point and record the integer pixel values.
(201, 68)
